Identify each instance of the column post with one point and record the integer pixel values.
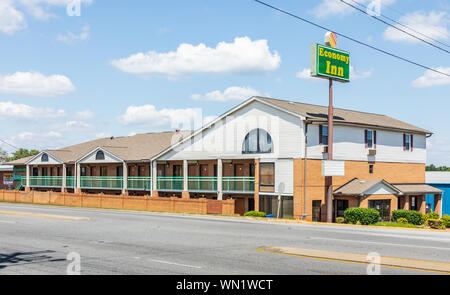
(125, 179)
(219, 179)
(154, 179)
(185, 193)
(438, 204)
(78, 173)
(150, 173)
(64, 182)
(27, 185)
(256, 195)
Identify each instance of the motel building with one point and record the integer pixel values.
(264, 153)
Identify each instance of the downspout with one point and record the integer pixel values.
(304, 170)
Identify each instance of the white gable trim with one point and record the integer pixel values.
(107, 153)
(40, 155)
(209, 125)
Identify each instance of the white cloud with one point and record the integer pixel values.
(241, 56)
(328, 8)
(11, 20)
(34, 83)
(84, 115)
(12, 12)
(434, 24)
(35, 140)
(148, 115)
(431, 78)
(354, 75)
(9, 110)
(70, 37)
(233, 93)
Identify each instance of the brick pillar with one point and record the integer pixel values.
(406, 202)
(438, 204)
(256, 194)
(423, 204)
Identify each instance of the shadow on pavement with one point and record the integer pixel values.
(19, 258)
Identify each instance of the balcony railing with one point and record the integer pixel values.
(245, 184)
(174, 183)
(202, 184)
(101, 182)
(139, 183)
(45, 181)
(70, 181)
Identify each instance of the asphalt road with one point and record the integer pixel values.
(118, 242)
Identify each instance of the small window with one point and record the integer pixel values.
(44, 158)
(100, 155)
(407, 142)
(370, 139)
(83, 171)
(371, 169)
(323, 135)
(257, 141)
(267, 177)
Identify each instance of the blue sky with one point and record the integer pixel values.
(125, 67)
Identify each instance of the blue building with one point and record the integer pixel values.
(440, 180)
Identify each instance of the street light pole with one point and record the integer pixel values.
(329, 179)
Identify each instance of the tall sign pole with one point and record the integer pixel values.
(330, 63)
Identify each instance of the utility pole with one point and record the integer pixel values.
(329, 179)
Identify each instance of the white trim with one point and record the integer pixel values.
(96, 150)
(209, 125)
(40, 155)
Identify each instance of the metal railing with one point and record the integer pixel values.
(202, 184)
(238, 184)
(101, 182)
(174, 183)
(139, 183)
(45, 181)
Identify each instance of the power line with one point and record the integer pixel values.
(395, 27)
(352, 39)
(14, 147)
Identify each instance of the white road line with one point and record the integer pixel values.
(173, 263)
(381, 243)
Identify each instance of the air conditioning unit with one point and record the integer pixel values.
(325, 149)
(372, 152)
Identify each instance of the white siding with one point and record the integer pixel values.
(224, 139)
(349, 145)
(51, 160)
(109, 158)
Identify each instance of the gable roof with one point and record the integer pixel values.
(317, 113)
(359, 187)
(130, 148)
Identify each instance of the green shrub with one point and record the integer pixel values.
(255, 214)
(364, 216)
(395, 224)
(402, 220)
(431, 215)
(414, 217)
(340, 219)
(435, 223)
(446, 220)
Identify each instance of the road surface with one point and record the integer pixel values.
(37, 240)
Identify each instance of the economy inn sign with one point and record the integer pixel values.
(330, 63)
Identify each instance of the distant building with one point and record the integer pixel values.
(6, 177)
(440, 180)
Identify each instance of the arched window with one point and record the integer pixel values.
(100, 155)
(44, 158)
(257, 141)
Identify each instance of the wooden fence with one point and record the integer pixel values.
(147, 203)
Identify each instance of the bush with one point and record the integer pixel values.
(435, 223)
(364, 216)
(255, 214)
(446, 220)
(402, 220)
(414, 217)
(431, 215)
(340, 219)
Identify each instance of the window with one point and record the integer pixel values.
(100, 155)
(267, 177)
(407, 142)
(370, 139)
(323, 135)
(413, 204)
(103, 171)
(257, 141)
(371, 169)
(83, 171)
(44, 158)
(119, 170)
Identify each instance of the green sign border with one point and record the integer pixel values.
(315, 63)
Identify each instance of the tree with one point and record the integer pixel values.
(22, 153)
(434, 168)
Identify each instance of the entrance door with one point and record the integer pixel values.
(239, 173)
(316, 210)
(341, 206)
(205, 185)
(383, 206)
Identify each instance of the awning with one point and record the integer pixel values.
(417, 189)
(365, 187)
